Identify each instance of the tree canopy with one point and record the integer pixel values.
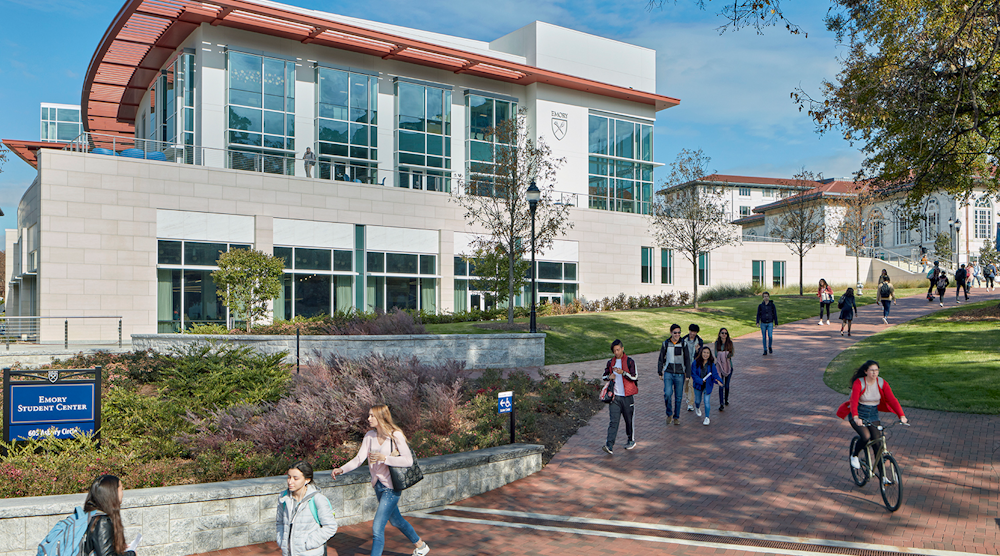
(246, 281)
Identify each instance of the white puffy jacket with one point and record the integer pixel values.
(298, 532)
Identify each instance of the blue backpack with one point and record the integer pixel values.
(66, 538)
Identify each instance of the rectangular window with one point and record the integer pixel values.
(487, 140)
(778, 274)
(346, 120)
(744, 211)
(703, 269)
(666, 266)
(614, 184)
(758, 273)
(744, 192)
(902, 231)
(423, 137)
(417, 290)
(768, 193)
(261, 114)
(647, 265)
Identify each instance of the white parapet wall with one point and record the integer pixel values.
(191, 519)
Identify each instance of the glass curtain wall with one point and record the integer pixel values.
(347, 125)
(316, 282)
(403, 280)
(484, 114)
(60, 124)
(423, 137)
(620, 165)
(186, 293)
(172, 112)
(556, 283)
(261, 114)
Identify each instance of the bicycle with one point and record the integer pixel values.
(889, 475)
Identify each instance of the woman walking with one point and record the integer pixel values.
(847, 309)
(869, 395)
(704, 375)
(305, 516)
(105, 533)
(724, 351)
(942, 286)
(886, 296)
(385, 446)
(825, 295)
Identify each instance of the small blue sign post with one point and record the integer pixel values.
(505, 404)
(54, 403)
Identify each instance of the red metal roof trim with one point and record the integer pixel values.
(28, 150)
(145, 33)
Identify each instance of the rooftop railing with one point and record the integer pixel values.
(89, 330)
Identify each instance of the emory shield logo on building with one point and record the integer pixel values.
(560, 124)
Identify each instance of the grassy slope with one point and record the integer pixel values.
(932, 362)
(586, 336)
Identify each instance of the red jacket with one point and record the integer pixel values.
(888, 403)
(629, 377)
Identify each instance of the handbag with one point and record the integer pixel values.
(827, 297)
(607, 393)
(405, 477)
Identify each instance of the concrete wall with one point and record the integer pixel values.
(190, 519)
(479, 351)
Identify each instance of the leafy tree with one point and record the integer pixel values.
(492, 275)
(942, 248)
(494, 197)
(801, 224)
(692, 219)
(988, 254)
(853, 230)
(247, 280)
(756, 14)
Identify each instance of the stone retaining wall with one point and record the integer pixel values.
(191, 519)
(479, 351)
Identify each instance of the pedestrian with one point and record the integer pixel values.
(383, 446)
(724, 352)
(882, 277)
(672, 367)
(977, 274)
(990, 273)
(847, 308)
(932, 276)
(869, 394)
(105, 533)
(942, 286)
(309, 160)
(886, 295)
(825, 295)
(767, 319)
(692, 343)
(961, 283)
(621, 369)
(706, 376)
(923, 262)
(305, 518)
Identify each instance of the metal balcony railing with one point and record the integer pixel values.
(89, 330)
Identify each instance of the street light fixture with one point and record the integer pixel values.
(534, 195)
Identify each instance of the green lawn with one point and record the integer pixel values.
(932, 362)
(588, 336)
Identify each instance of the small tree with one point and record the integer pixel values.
(942, 247)
(247, 280)
(491, 272)
(690, 220)
(852, 231)
(494, 197)
(988, 254)
(801, 224)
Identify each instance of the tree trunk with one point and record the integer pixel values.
(510, 284)
(857, 267)
(696, 282)
(801, 277)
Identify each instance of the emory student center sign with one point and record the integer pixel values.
(59, 404)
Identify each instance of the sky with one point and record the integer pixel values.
(734, 87)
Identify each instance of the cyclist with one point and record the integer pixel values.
(870, 394)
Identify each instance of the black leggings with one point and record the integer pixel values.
(867, 433)
(989, 281)
(827, 305)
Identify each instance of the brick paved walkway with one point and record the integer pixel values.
(774, 462)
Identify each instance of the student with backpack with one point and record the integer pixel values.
(847, 308)
(705, 376)
(961, 283)
(990, 273)
(94, 530)
(932, 276)
(886, 295)
(942, 286)
(305, 516)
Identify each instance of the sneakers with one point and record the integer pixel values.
(706, 421)
(820, 322)
(886, 480)
(727, 402)
(697, 411)
(691, 408)
(765, 352)
(769, 350)
(855, 462)
(941, 304)
(677, 421)
(609, 450)
(827, 322)
(422, 551)
(841, 331)
(722, 408)
(884, 320)
(630, 445)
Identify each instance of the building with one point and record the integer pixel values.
(204, 155)
(60, 122)
(743, 194)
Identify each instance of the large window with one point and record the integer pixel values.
(423, 137)
(316, 282)
(403, 280)
(484, 115)
(758, 273)
(703, 268)
(902, 230)
(984, 218)
(876, 228)
(931, 220)
(778, 274)
(60, 123)
(556, 282)
(647, 265)
(346, 125)
(186, 294)
(621, 178)
(261, 114)
(666, 266)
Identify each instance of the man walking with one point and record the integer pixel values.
(977, 274)
(692, 345)
(671, 367)
(767, 319)
(886, 296)
(933, 275)
(990, 273)
(621, 369)
(961, 283)
(309, 160)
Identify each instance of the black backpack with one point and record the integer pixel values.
(884, 291)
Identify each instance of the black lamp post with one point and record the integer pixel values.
(955, 227)
(534, 195)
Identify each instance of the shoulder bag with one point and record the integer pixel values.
(405, 477)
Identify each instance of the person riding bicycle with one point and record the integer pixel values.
(870, 394)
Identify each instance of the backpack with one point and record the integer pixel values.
(66, 537)
(884, 291)
(312, 508)
(942, 281)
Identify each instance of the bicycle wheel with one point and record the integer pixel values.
(860, 476)
(891, 483)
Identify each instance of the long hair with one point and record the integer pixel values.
(849, 292)
(862, 371)
(384, 418)
(701, 362)
(103, 496)
(823, 284)
(727, 346)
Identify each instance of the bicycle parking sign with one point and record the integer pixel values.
(55, 403)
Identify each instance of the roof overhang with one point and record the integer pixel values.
(28, 150)
(146, 33)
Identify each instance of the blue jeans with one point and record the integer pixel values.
(388, 511)
(699, 394)
(886, 303)
(767, 334)
(673, 385)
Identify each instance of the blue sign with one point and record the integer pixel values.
(505, 402)
(62, 430)
(38, 404)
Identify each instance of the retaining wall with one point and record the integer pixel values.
(191, 519)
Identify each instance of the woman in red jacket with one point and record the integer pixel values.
(869, 395)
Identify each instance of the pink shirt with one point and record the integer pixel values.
(380, 469)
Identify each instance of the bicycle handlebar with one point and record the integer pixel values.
(884, 427)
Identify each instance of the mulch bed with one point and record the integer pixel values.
(977, 314)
